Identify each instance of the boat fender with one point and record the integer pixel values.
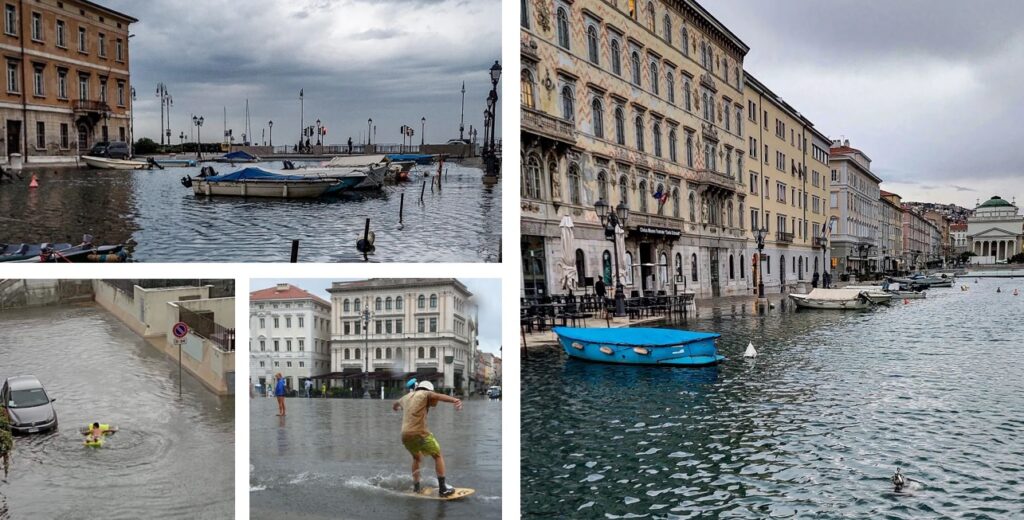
(577, 345)
(642, 351)
(607, 350)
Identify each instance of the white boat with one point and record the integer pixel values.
(838, 299)
(374, 167)
(255, 182)
(103, 163)
(893, 289)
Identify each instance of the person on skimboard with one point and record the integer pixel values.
(416, 438)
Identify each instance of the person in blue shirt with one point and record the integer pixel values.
(279, 392)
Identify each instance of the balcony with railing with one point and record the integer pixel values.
(717, 179)
(783, 237)
(555, 128)
(818, 242)
(89, 106)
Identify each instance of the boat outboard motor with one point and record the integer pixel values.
(186, 181)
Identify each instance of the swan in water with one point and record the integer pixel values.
(751, 352)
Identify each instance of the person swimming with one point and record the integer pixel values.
(95, 433)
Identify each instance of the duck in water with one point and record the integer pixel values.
(898, 481)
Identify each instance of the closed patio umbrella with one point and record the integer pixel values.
(568, 277)
(620, 240)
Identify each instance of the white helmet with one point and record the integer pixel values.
(425, 385)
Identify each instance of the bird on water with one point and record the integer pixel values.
(898, 481)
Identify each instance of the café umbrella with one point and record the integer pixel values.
(568, 277)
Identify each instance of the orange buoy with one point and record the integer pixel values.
(34, 183)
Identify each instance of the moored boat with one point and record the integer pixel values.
(104, 163)
(640, 346)
(418, 158)
(177, 163)
(62, 253)
(238, 157)
(256, 182)
(837, 299)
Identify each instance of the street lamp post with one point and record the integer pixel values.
(198, 122)
(366, 352)
(423, 132)
(824, 261)
(491, 155)
(182, 138)
(318, 134)
(760, 236)
(369, 123)
(612, 220)
(271, 125)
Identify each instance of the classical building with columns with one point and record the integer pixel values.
(995, 231)
(640, 104)
(386, 330)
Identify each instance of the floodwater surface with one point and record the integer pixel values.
(815, 426)
(344, 459)
(172, 458)
(162, 221)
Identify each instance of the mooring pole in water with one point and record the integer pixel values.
(366, 240)
(423, 189)
(295, 251)
(401, 208)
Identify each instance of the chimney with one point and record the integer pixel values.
(846, 143)
(282, 287)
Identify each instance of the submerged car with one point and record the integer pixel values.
(494, 392)
(27, 406)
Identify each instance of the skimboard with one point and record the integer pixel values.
(430, 493)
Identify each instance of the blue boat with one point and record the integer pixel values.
(640, 346)
(239, 157)
(418, 158)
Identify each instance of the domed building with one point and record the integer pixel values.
(995, 231)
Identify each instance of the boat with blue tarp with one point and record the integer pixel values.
(640, 346)
(239, 157)
(257, 182)
(418, 158)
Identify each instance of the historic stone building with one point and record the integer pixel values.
(787, 187)
(640, 103)
(918, 239)
(995, 230)
(890, 232)
(289, 331)
(389, 329)
(853, 202)
(67, 77)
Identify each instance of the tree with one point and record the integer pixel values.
(1016, 259)
(6, 443)
(965, 257)
(146, 145)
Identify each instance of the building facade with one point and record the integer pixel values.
(958, 238)
(917, 239)
(943, 246)
(890, 232)
(787, 187)
(995, 230)
(387, 330)
(640, 104)
(67, 78)
(289, 331)
(853, 202)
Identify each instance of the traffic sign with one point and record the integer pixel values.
(180, 330)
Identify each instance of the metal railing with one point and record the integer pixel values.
(782, 236)
(88, 105)
(220, 289)
(203, 326)
(539, 122)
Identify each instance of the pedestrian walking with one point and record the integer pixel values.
(279, 392)
(309, 388)
(814, 280)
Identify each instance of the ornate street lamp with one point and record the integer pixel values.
(271, 125)
(319, 141)
(369, 123)
(611, 220)
(760, 235)
(366, 352)
(491, 155)
(824, 261)
(198, 121)
(423, 131)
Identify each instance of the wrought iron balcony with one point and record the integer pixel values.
(88, 106)
(782, 236)
(539, 123)
(714, 178)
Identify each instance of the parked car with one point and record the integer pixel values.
(110, 150)
(27, 406)
(494, 392)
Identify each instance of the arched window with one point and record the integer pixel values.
(675, 202)
(739, 124)
(358, 353)
(602, 186)
(387, 353)
(679, 264)
(687, 100)
(815, 264)
(562, 20)
(693, 267)
(663, 269)
(638, 125)
(660, 190)
(743, 268)
(650, 16)
(667, 28)
(692, 200)
(643, 196)
(573, 177)
(526, 89)
(433, 301)
(732, 268)
(705, 102)
(378, 304)
(606, 267)
(729, 213)
(581, 267)
(653, 71)
(616, 58)
(356, 305)
(709, 156)
(568, 107)
(689, 149)
(725, 70)
(398, 303)
(628, 268)
(421, 302)
(673, 153)
(398, 352)
(378, 353)
(727, 120)
(624, 190)
(347, 354)
(635, 58)
(598, 118)
(433, 352)
(740, 215)
(592, 47)
(656, 135)
(620, 126)
(387, 303)
(345, 305)
(684, 35)
(419, 353)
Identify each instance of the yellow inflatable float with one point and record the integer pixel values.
(96, 442)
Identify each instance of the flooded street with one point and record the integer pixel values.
(343, 459)
(814, 427)
(162, 221)
(172, 458)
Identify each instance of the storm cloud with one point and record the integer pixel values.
(395, 61)
(930, 90)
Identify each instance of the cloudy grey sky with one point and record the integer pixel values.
(931, 90)
(395, 61)
(487, 292)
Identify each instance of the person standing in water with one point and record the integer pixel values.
(279, 392)
(416, 438)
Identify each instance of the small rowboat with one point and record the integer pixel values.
(640, 346)
(104, 163)
(62, 253)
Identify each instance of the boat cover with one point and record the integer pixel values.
(409, 157)
(629, 336)
(834, 295)
(256, 174)
(239, 156)
(355, 162)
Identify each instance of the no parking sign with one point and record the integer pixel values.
(180, 330)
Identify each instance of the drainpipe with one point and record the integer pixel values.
(24, 83)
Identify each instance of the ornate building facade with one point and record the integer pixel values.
(853, 202)
(995, 230)
(640, 103)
